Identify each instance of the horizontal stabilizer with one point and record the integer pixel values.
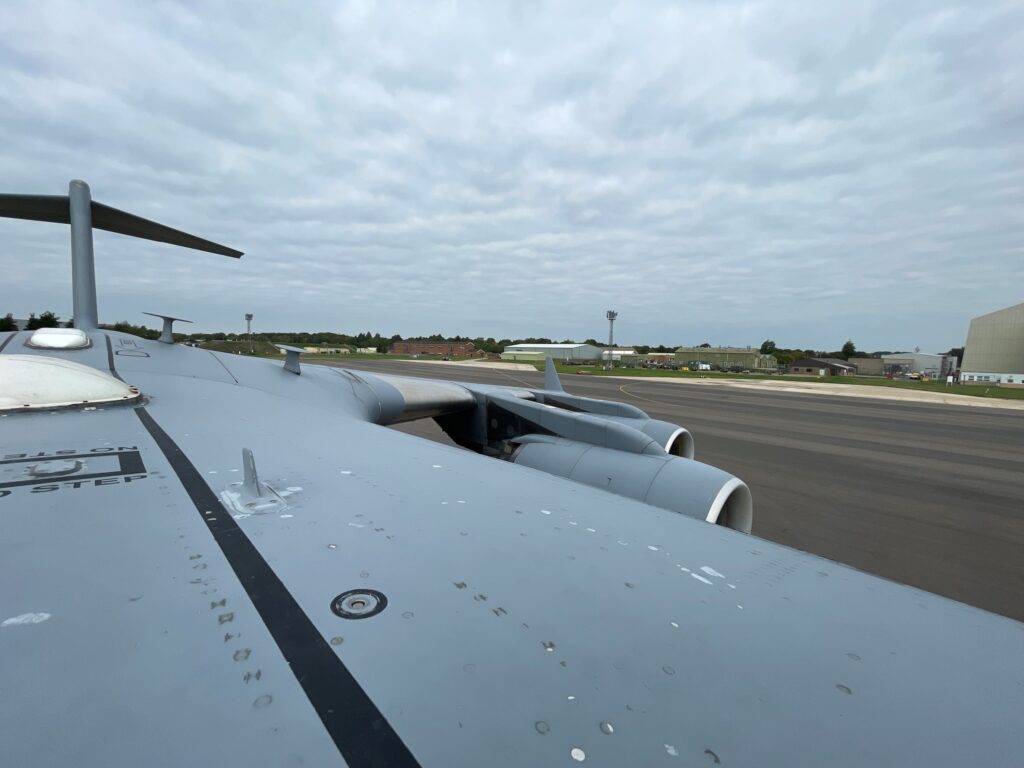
(113, 220)
(53, 208)
(57, 209)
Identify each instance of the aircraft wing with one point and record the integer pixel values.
(351, 595)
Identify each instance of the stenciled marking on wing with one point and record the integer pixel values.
(711, 572)
(317, 667)
(698, 577)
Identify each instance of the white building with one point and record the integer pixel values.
(994, 353)
(618, 355)
(327, 350)
(573, 352)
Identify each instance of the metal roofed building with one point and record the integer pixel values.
(867, 366)
(573, 352)
(994, 353)
(862, 366)
(817, 366)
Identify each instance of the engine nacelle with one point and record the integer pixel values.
(674, 439)
(670, 482)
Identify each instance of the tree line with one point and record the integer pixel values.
(44, 320)
(374, 339)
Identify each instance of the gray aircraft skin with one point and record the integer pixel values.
(210, 559)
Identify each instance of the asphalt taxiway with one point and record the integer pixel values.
(927, 495)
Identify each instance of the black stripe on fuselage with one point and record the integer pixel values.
(8, 340)
(359, 729)
(110, 359)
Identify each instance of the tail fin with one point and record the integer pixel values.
(78, 209)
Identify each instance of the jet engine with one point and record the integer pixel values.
(671, 482)
(601, 443)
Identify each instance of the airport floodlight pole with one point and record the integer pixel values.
(248, 329)
(611, 314)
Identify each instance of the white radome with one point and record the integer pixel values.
(33, 382)
(59, 338)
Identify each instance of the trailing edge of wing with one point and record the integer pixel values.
(56, 208)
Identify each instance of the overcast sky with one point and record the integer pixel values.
(715, 171)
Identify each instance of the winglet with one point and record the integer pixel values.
(551, 380)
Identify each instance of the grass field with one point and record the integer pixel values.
(1003, 393)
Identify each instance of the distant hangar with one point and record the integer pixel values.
(994, 353)
(532, 352)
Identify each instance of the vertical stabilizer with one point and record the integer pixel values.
(78, 209)
(83, 270)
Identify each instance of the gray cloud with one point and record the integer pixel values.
(720, 172)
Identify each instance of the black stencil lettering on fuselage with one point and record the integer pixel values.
(122, 461)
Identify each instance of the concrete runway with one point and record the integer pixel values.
(926, 495)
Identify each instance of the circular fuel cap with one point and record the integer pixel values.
(359, 603)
